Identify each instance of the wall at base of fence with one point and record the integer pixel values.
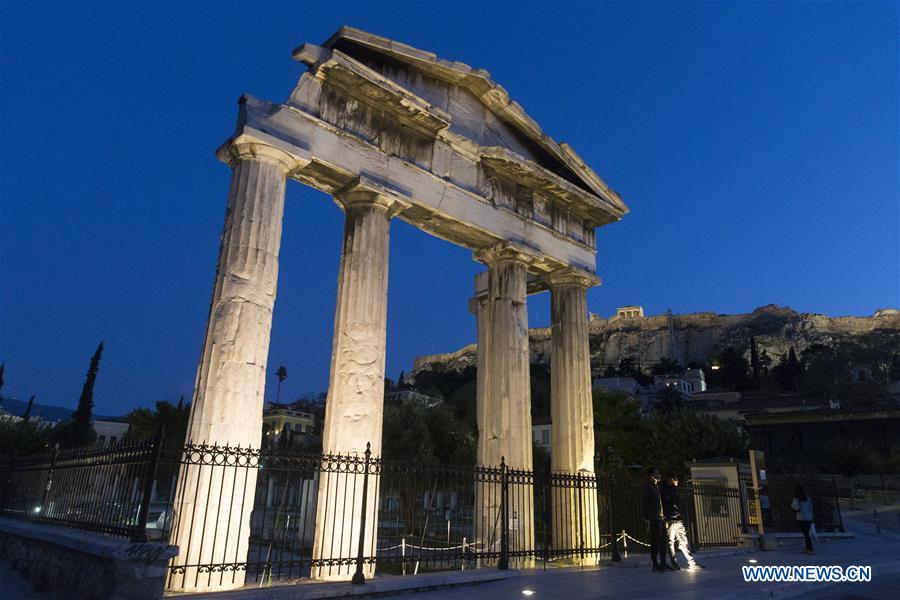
(78, 565)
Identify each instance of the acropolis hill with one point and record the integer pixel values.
(696, 337)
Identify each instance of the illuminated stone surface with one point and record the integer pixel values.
(388, 130)
(228, 398)
(571, 411)
(355, 405)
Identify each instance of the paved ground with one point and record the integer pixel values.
(721, 579)
(888, 519)
(883, 587)
(13, 587)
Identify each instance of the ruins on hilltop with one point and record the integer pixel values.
(697, 336)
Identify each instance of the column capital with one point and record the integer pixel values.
(507, 251)
(361, 192)
(571, 276)
(246, 148)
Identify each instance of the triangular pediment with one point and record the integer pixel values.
(473, 105)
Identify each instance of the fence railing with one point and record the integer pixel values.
(420, 517)
(104, 490)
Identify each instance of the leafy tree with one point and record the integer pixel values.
(788, 371)
(21, 438)
(629, 367)
(540, 390)
(441, 383)
(856, 458)
(405, 434)
(540, 458)
(667, 366)
(284, 439)
(618, 436)
(144, 423)
(675, 439)
(445, 433)
(668, 400)
(729, 370)
(463, 404)
(891, 462)
(665, 440)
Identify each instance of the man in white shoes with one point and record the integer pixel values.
(675, 531)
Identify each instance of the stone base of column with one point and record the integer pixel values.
(338, 525)
(575, 526)
(212, 528)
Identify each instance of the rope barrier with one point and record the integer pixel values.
(474, 546)
(634, 540)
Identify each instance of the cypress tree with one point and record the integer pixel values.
(754, 357)
(82, 431)
(27, 414)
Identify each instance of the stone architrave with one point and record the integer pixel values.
(574, 504)
(228, 397)
(355, 405)
(503, 389)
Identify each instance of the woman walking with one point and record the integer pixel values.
(803, 509)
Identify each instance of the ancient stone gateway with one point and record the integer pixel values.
(390, 131)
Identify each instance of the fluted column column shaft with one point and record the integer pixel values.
(507, 381)
(571, 409)
(503, 400)
(574, 504)
(354, 409)
(212, 511)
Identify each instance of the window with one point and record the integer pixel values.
(545, 437)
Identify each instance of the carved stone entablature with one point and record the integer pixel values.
(466, 162)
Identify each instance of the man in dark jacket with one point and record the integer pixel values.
(653, 513)
(676, 533)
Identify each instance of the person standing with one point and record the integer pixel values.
(653, 513)
(803, 509)
(676, 533)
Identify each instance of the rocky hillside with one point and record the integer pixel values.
(695, 338)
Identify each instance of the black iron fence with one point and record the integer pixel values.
(244, 515)
(776, 494)
(104, 490)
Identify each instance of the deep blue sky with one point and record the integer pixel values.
(756, 144)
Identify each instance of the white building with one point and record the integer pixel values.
(540, 432)
(617, 384)
(697, 380)
(109, 431)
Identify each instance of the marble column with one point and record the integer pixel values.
(504, 395)
(354, 409)
(574, 504)
(213, 503)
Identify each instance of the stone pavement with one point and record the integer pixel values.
(14, 587)
(721, 579)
